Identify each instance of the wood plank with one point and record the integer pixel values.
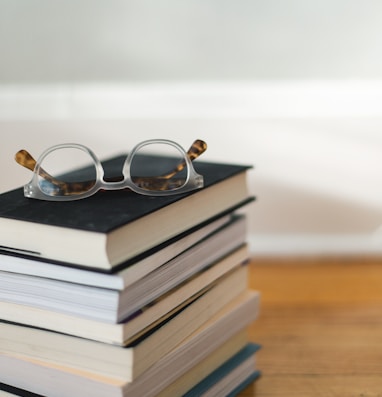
(320, 327)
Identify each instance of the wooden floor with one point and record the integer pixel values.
(320, 327)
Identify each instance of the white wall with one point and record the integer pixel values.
(150, 40)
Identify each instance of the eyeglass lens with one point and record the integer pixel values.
(158, 167)
(67, 171)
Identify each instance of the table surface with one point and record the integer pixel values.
(320, 327)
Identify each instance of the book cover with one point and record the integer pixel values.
(111, 227)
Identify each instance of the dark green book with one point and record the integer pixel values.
(112, 227)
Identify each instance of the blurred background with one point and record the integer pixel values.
(292, 87)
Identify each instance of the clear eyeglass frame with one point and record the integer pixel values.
(33, 189)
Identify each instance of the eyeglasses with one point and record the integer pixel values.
(157, 167)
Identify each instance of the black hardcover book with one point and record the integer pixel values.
(111, 227)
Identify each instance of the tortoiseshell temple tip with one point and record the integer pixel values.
(196, 149)
(202, 145)
(23, 158)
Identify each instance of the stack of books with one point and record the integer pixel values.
(121, 294)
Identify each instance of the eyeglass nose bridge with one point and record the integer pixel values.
(115, 185)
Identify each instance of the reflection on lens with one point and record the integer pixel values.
(57, 178)
(158, 167)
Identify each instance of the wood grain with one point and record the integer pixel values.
(320, 327)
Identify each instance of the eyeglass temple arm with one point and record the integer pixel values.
(196, 149)
(25, 159)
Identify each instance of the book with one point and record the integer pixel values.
(21, 372)
(226, 276)
(239, 388)
(123, 275)
(231, 377)
(121, 362)
(112, 227)
(217, 371)
(113, 305)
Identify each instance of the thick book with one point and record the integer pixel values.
(62, 380)
(112, 227)
(114, 305)
(228, 278)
